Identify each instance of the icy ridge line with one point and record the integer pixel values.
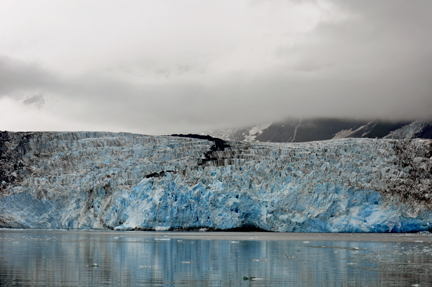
(122, 181)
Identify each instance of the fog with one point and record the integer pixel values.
(171, 67)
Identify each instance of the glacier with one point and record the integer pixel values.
(123, 181)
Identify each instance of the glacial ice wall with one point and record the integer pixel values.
(120, 181)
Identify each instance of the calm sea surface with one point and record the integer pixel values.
(78, 258)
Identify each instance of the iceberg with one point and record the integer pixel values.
(123, 181)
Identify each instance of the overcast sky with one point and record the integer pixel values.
(159, 67)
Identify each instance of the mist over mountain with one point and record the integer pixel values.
(316, 129)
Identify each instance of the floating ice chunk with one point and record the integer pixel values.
(258, 260)
(162, 228)
(252, 278)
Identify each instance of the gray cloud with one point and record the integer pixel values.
(375, 61)
(37, 100)
(18, 75)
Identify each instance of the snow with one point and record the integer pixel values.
(343, 134)
(256, 131)
(409, 131)
(350, 132)
(127, 182)
(247, 134)
(295, 131)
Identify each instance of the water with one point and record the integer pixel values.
(72, 258)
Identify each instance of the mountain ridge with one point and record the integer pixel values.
(298, 130)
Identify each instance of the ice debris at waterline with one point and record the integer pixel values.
(121, 181)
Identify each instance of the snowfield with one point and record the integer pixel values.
(120, 181)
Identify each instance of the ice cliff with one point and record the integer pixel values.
(97, 180)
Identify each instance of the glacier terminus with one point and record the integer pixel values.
(123, 181)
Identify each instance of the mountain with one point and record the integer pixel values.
(121, 181)
(297, 130)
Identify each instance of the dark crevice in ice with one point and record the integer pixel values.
(158, 174)
(219, 145)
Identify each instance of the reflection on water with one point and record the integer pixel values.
(62, 258)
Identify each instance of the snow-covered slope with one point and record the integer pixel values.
(126, 181)
(248, 134)
(296, 130)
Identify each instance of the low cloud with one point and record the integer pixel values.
(370, 60)
(37, 100)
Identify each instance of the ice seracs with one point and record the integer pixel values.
(120, 181)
